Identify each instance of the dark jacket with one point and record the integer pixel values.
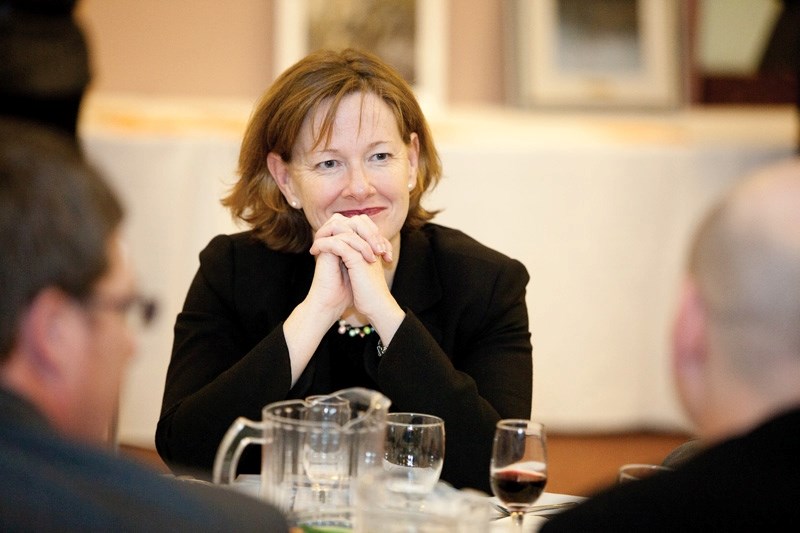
(52, 484)
(747, 483)
(463, 351)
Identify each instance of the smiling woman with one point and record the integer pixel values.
(333, 168)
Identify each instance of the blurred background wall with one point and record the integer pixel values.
(205, 48)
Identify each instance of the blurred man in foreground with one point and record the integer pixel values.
(736, 362)
(67, 288)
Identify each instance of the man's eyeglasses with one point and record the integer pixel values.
(136, 309)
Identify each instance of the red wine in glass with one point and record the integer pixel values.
(518, 470)
(518, 487)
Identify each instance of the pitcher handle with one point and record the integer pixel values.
(242, 433)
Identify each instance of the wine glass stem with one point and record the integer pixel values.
(516, 518)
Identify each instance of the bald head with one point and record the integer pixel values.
(746, 263)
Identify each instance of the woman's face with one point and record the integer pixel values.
(365, 169)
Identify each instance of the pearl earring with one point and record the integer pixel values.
(410, 186)
(294, 203)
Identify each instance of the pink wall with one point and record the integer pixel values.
(196, 48)
(208, 48)
(476, 51)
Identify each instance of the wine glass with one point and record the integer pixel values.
(518, 470)
(325, 449)
(414, 452)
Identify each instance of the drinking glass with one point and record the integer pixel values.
(518, 469)
(414, 452)
(325, 453)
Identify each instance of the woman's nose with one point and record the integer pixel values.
(359, 184)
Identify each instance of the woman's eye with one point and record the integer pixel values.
(325, 165)
(383, 156)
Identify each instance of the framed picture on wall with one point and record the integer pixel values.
(411, 35)
(614, 53)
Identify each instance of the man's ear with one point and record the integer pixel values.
(47, 333)
(690, 348)
(279, 170)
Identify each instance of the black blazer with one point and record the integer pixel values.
(463, 351)
(746, 483)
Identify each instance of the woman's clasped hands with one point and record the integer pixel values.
(352, 256)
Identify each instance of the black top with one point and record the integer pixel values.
(748, 483)
(52, 484)
(463, 351)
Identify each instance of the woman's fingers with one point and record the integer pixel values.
(359, 232)
(348, 246)
(330, 286)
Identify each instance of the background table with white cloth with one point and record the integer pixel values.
(598, 207)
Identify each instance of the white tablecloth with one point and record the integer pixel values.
(598, 207)
(251, 485)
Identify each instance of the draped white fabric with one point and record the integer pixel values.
(598, 207)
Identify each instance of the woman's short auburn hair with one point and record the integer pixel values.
(321, 77)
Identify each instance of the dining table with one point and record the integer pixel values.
(548, 504)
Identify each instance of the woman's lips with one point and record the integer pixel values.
(370, 211)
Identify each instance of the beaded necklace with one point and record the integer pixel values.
(361, 331)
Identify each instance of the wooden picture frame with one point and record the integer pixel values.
(614, 53)
(293, 27)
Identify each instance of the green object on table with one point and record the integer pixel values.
(325, 529)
